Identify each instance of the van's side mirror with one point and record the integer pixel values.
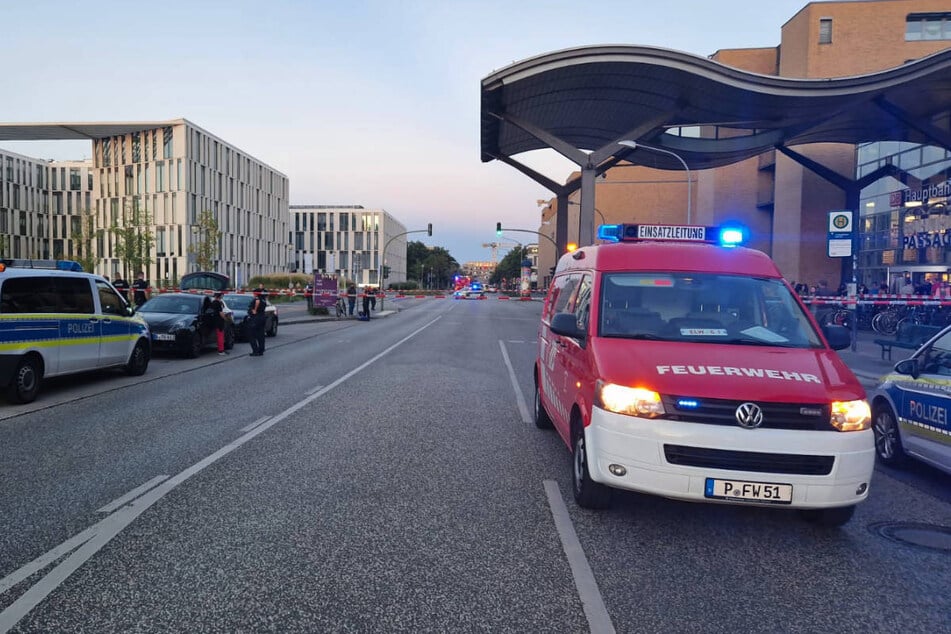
(839, 337)
(130, 310)
(908, 366)
(566, 324)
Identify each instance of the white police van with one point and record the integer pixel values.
(56, 320)
(912, 407)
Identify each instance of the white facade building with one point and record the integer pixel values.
(165, 173)
(346, 241)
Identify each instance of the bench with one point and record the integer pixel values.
(909, 336)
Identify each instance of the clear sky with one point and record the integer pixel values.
(374, 103)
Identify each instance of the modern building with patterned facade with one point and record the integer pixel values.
(347, 241)
(39, 205)
(162, 173)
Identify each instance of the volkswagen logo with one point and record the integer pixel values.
(749, 415)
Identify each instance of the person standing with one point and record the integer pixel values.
(123, 287)
(218, 320)
(351, 298)
(140, 288)
(366, 303)
(257, 316)
(372, 292)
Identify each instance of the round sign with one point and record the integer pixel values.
(840, 221)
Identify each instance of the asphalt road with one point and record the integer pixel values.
(384, 476)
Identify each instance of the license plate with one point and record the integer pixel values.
(765, 492)
(163, 337)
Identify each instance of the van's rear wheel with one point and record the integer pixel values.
(25, 384)
(588, 493)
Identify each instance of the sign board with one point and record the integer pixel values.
(840, 234)
(325, 290)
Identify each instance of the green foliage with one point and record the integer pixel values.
(277, 282)
(133, 240)
(83, 251)
(404, 286)
(510, 266)
(205, 247)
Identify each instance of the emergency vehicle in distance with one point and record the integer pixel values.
(673, 362)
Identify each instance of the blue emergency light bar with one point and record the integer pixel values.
(727, 236)
(59, 265)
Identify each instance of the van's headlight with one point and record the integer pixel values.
(633, 401)
(851, 415)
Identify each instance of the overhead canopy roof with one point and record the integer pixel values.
(591, 97)
(75, 131)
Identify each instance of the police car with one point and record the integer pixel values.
(56, 320)
(673, 362)
(911, 407)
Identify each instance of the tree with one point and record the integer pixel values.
(440, 267)
(510, 267)
(205, 247)
(133, 239)
(416, 254)
(83, 235)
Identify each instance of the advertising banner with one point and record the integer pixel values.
(325, 290)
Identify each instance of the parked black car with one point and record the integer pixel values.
(239, 303)
(178, 325)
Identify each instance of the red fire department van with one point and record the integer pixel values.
(673, 362)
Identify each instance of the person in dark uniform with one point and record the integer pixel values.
(351, 297)
(257, 317)
(123, 287)
(141, 289)
(366, 302)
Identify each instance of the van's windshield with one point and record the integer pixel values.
(711, 308)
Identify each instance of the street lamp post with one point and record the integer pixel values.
(577, 204)
(635, 145)
(428, 230)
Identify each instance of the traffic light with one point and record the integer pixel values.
(386, 272)
(498, 228)
(429, 229)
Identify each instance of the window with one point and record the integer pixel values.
(928, 26)
(75, 181)
(109, 300)
(75, 295)
(167, 142)
(136, 148)
(825, 31)
(27, 294)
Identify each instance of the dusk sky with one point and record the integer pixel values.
(358, 103)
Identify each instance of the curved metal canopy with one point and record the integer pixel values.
(582, 101)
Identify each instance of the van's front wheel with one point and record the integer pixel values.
(542, 419)
(588, 493)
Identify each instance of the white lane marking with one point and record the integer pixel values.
(312, 390)
(131, 495)
(516, 341)
(599, 621)
(91, 540)
(248, 428)
(519, 398)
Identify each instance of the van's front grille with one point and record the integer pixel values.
(748, 460)
(716, 411)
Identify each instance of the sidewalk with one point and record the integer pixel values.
(866, 361)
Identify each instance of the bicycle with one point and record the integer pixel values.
(340, 307)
